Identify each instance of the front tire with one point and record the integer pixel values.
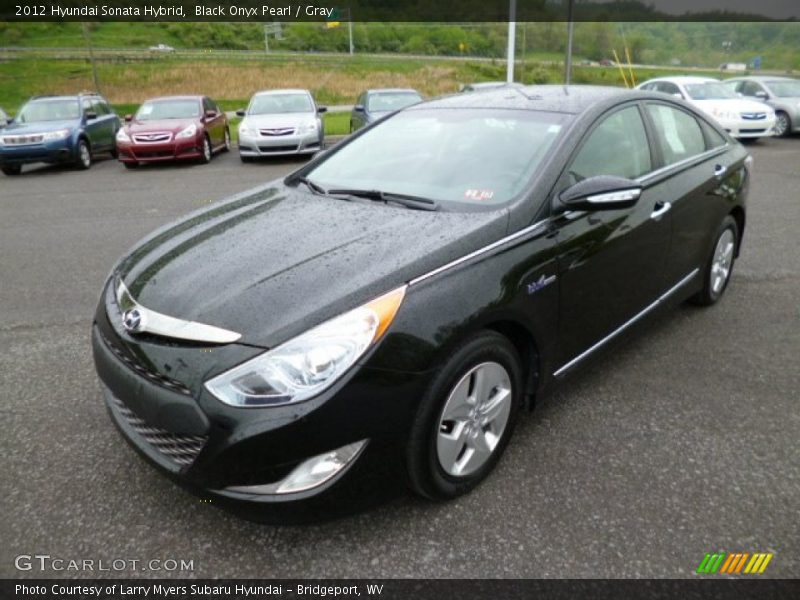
(12, 170)
(227, 145)
(205, 152)
(719, 267)
(84, 158)
(783, 124)
(466, 418)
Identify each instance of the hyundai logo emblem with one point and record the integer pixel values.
(133, 320)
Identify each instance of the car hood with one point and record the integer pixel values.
(276, 261)
(172, 125)
(40, 127)
(279, 121)
(732, 104)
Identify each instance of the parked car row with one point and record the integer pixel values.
(75, 129)
(747, 107)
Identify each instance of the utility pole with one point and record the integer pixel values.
(570, 31)
(266, 39)
(350, 33)
(512, 39)
(88, 39)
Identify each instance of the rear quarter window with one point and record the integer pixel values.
(679, 134)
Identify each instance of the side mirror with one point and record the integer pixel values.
(762, 94)
(678, 95)
(359, 108)
(90, 115)
(603, 192)
(128, 118)
(211, 114)
(241, 112)
(322, 109)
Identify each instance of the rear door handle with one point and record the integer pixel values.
(720, 170)
(660, 209)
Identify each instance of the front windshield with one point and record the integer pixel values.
(785, 89)
(49, 110)
(710, 91)
(168, 109)
(271, 104)
(465, 156)
(389, 101)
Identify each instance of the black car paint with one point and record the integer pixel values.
(240, 265)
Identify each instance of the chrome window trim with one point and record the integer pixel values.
(643, 179)
(480, 251)
(566, 367)
(157, 323)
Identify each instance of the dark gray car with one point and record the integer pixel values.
(781, 93)
(375, 104)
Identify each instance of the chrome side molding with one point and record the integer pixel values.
(566, 367)
(138, 319)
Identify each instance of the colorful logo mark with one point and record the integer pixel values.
(734, 563)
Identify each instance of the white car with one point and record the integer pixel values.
(740, 117)
(281, 122)
(162, 48)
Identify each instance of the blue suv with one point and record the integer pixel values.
(59, 129)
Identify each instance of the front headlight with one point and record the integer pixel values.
(122, 136)
(247, 131)
(308, 364)
(61, 134)
(190, 131)
(308, 127)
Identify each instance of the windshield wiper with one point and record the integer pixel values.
(416, 202)
(314, 187)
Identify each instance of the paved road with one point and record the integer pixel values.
(681, 441)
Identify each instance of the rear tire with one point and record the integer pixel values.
(719, 267)
(12, 170)
(83, 159)
(466, 418)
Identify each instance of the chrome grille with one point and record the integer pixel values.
(151, 138)
(149, 374)
(21, 140)
(759, 116)
(180, 449)
(277, 132)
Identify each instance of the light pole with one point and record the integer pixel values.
(512, 39)
(570, 31)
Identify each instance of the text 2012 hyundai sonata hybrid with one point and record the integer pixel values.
(383, 313)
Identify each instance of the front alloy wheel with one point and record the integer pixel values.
(466, 418)
(782, 124)
(84, 160)
(206, 149)
(227, 147)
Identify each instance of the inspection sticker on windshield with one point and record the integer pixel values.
(479, 194)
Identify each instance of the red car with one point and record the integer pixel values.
(173, 128)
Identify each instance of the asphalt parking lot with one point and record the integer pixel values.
(681, 441)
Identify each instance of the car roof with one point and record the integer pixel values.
(684, 79)
(282, 91)
(571, 99)
(392, 91)
(762, 78)
(183, 97)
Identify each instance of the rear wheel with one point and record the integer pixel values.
(720, 264)
(783, 124)
(466, 418)
(84, 157)
(12, 170)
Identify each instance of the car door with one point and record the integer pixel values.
(214, 125)
(107, 123)
(611, 262)
(696, 169)
(92, 125)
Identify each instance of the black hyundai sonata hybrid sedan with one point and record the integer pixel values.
(384, 313)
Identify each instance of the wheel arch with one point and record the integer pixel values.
(525, 344)
(738, 215)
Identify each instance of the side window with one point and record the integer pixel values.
(679, 133)
(86, 105)
(618, 146)
(714, 138)
(207, 105)
(99, 107)
(751, 88)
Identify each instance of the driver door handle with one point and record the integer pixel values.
(719, 171)
(660, 209)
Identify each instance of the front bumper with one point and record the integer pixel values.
(132, 152)
(261, 145)
(211, 447)
(743, 128)
(56, 151)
